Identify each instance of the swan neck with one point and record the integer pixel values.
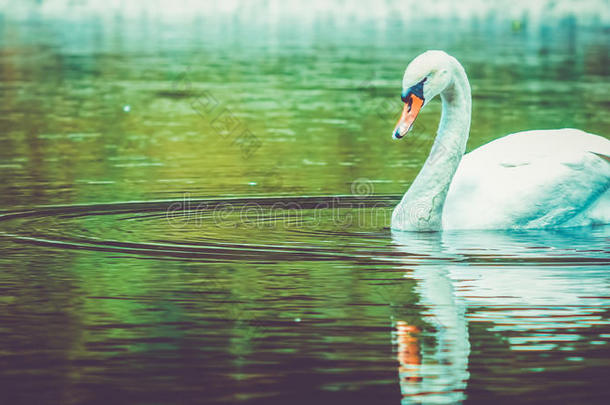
(454, 126)
(422, 206)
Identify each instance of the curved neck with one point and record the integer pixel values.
(422, 205)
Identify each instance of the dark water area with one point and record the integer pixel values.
(197, 212)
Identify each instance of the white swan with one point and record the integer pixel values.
(532, 179)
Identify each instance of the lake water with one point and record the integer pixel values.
(197, 211)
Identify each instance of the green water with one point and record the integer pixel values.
(195, 300)
(320, 103)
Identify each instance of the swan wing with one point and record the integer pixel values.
(532, 179)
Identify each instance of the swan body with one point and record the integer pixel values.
(530, 179)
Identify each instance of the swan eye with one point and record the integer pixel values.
(417, 90)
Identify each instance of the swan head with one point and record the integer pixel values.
(425, 77)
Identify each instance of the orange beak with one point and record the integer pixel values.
(413, 105)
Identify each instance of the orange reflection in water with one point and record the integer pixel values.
(409, 352)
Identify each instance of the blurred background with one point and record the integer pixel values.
(115, 100)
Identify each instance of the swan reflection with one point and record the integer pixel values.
(537, 290)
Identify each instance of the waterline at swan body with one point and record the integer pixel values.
(531, 179)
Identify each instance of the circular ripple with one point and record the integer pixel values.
(268, 230)
(250, 229)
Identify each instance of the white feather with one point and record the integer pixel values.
(532, 179)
